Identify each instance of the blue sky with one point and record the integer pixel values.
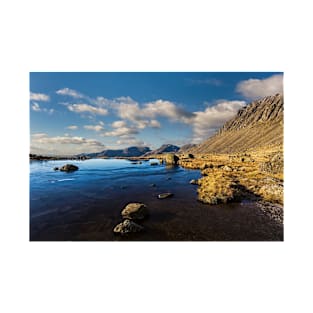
(87, 112)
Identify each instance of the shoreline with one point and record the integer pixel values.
(254, 175)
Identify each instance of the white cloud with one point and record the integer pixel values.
(121, 131)
(258, 88)
(118, 124)
(70, 92)
(131, 141)
(205, 123)
(167, 109)
(94, 127)
(39, 97)
(39, 135)
(144, 116)
(72, 127)
(154, 124)
(82, 107)
(64, 144)
(36, 107)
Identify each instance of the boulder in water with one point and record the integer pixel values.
(165, 195)
(135, 211)
(69, 168)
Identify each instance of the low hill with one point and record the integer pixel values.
(258, 124)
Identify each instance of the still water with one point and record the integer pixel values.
(86, 204)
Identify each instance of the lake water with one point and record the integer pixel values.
(86, 204)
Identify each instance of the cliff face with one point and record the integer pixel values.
(258, 124)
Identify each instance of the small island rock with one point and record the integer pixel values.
(165, 195)
(69, 168)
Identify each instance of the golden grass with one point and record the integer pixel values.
(227, 177)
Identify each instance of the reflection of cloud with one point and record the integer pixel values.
(258, 88)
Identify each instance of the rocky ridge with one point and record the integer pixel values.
(258, 124)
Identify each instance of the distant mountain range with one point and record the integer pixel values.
(127, 152)
(131, 152)
(166, 148)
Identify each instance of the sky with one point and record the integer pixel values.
(73, 113)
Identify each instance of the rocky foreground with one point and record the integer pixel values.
(253, 175)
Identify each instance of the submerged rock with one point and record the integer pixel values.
(135, 211)
(69, 168)
(127, 227)
(165, 195)
(56, 169)
(154, 163)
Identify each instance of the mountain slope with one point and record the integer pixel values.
(256, 125)
(166, 148)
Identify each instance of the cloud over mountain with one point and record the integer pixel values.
(258, 88)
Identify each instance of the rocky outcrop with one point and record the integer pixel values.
(69, 168)
(217, 189)
(256, 125)
(135, 211)
(127, 227)
(274, 165)
(171, 159)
